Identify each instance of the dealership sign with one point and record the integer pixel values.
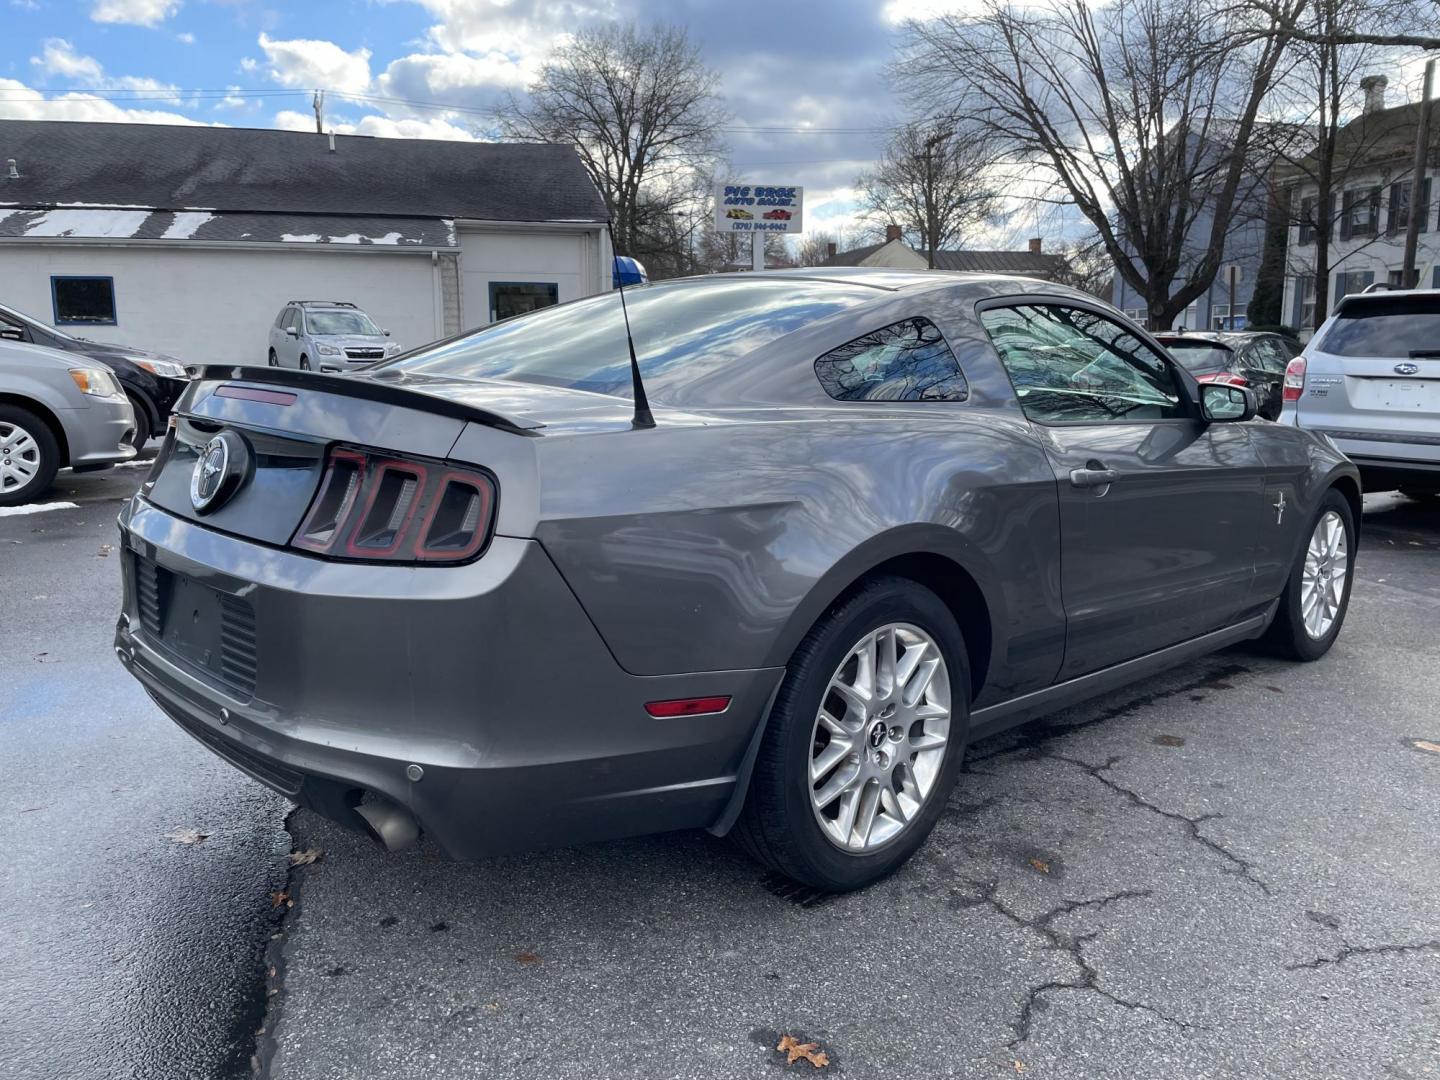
(752, 208)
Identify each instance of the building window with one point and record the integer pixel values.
(1134, 314)
(1362, 213)
(511, 298)
(1396, 279)
(1400, 206)
(1307, 220)
(1221, 319)
(1351, 281)
(86, 301)
(1305, 301)
(908, 361)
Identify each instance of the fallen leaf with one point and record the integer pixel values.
(794, 1050)
(186, 836)
(1275, 689)
(278, 898)
(1018, 1065)
(104, 552)
(1041, 865)
(529, 959)
(1168, 740)
(1428, 746)
(306, 857)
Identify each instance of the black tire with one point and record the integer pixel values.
(778, 826)
(272, 359)
(46, 454)
(304, 362)
(1286, 635)
(143, 429)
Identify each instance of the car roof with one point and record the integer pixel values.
(893, 280)
(1383, 296)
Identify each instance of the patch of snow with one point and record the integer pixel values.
(88, 223)
(36, 508)
(107, 206)
(388, 238)
(348, 238)
(185, 224)
(302, 238)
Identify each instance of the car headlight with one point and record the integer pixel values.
(391, 348)
(95, 383)
(166, 369)
(327, 350)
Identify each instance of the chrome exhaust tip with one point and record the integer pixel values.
(389, 825)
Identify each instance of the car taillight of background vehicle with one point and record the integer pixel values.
(1225, 378)
(379, 508)
(1295, 379)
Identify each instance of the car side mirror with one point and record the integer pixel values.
(1221, 403)
(386, 332)
(290, 331)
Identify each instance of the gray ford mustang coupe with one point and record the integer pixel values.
(477, 591)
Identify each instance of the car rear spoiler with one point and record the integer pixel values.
(358, 387)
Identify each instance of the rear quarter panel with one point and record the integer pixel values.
(717, 547)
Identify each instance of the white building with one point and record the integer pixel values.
(189, 240)
(1369, 212)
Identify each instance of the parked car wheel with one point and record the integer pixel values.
(304, 363)
(1313, 605)
(864, 742)
(29, 455)
(142, 423)
(273, 360)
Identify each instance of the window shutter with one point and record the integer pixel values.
(1347, 206)
(1397, 196)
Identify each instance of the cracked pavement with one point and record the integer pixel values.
(1227, 871)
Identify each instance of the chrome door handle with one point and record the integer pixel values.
(1093, 477)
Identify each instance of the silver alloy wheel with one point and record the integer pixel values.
(880, 737)
(1322, 580)
(19, 457)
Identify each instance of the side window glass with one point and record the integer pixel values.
(906, 361)
(1072, 365)
(1269, 355)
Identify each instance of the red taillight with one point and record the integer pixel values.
(1295, 379)
(387, 509)
(695, 706)
(1224, 377)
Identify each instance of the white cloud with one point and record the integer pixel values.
(185, 38)
(249, 64)
(60, 58)
(21, 102)
(488, 26)
(383, 127)
(307, 63)
(456, 78)
(134, 12)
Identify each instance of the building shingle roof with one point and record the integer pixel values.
(1026, 263)
(205, 226)
(171, 167)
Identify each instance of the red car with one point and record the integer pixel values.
(777, 215)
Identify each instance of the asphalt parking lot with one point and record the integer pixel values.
(1228, 871)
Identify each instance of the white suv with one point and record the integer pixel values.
(1370, 380)
(327, 335)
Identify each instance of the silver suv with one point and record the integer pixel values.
(326, 335)
(1370, 380)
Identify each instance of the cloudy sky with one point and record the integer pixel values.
(430, 69)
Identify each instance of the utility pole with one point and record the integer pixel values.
(1418, 207)
(319, 103)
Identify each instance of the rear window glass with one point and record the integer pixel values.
(679, 327)
(1198, 355)
(1389, 326)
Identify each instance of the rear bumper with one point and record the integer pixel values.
(489, 677)
(100, 434)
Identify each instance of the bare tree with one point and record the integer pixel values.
(642, 110)
(1320, 95)
(815, 247)
(933, 182)
(1140, 112)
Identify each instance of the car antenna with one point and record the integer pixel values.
(643, 417)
